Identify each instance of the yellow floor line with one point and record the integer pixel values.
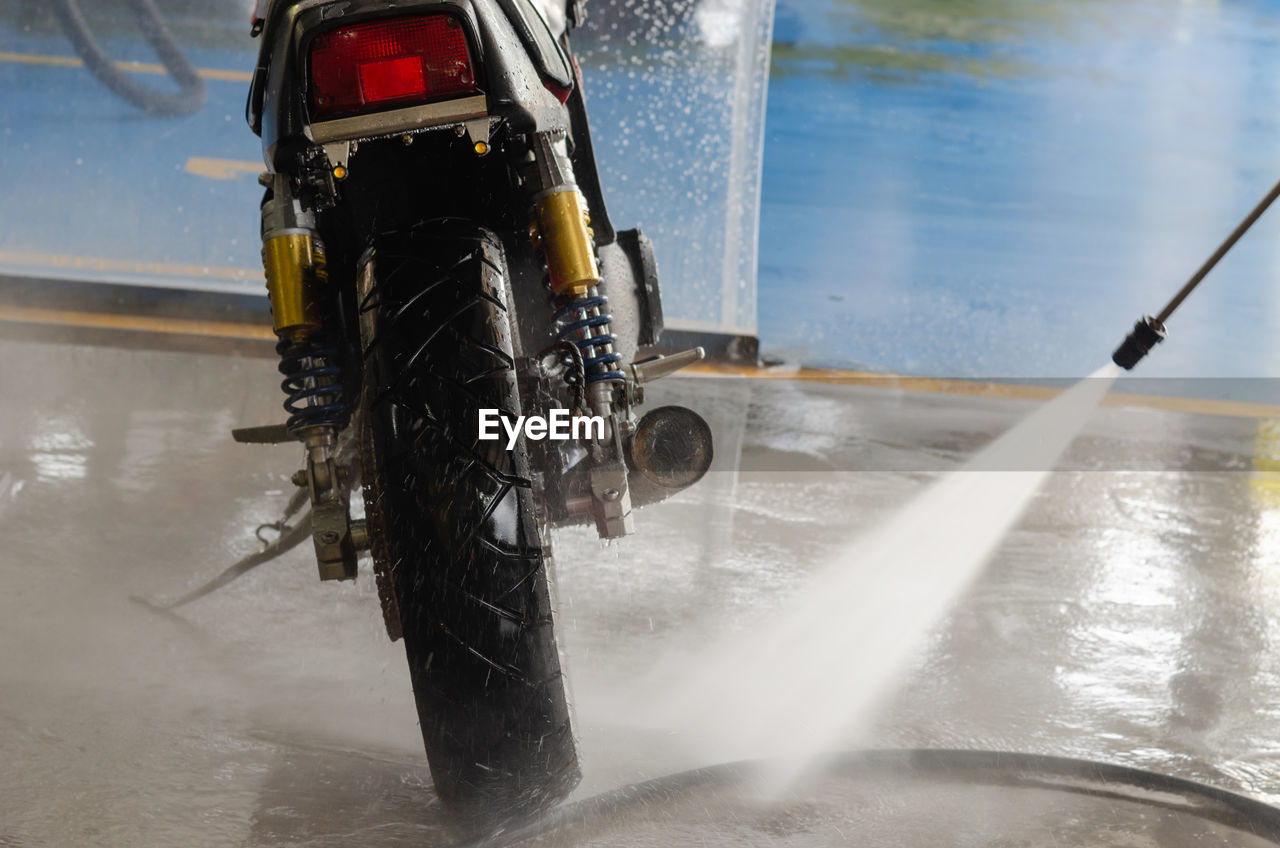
(136, 323)
(158, 269)
(131, 67)
(223, 169)
(974, 388)
(928, 385)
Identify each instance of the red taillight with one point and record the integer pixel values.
(389, 61)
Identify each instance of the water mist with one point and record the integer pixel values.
(790, 689)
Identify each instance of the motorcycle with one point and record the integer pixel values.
(437, 248)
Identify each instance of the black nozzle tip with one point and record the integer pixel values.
(1146, 334)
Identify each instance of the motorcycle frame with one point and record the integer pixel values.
(528, 86)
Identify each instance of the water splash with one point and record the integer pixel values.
(793, 689)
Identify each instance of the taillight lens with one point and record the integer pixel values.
(389, 61)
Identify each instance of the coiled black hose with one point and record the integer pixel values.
(191, 93)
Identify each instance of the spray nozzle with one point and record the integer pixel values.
(1146, 334)
(1149, 332)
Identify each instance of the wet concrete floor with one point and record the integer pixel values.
(1129, 619)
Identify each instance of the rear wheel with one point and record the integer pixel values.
(458, 527)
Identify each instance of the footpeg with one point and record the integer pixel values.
(271, 434)
(657, 367)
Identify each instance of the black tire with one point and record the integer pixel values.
(458, 523)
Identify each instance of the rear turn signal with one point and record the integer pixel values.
(389, 62)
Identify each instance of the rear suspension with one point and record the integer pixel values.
(561, 230)
(313, 384)
(294, 261)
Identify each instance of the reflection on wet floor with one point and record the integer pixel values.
(1128, 619)
(329, 796)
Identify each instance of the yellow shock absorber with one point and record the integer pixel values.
(295, 269)
(563, 233)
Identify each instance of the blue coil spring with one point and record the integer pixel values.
(313, 385)
(575, 323)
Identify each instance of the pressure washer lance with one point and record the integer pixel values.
(1150, 331)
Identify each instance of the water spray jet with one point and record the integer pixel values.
(915, 565)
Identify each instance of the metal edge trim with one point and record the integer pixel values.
(400, 120)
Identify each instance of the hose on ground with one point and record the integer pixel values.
(991, 768)
(191, 93)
